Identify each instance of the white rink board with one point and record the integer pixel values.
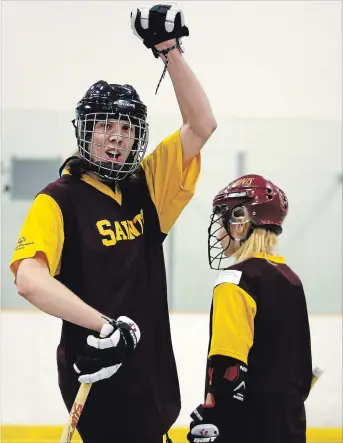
(30, 394)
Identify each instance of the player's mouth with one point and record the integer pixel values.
(115, 156)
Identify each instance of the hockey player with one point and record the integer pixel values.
(90, 249)
(259, 367)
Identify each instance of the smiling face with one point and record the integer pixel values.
(112, 141)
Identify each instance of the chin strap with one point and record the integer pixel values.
(165, 52)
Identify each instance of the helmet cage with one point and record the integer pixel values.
(111, 170)
(222, 218)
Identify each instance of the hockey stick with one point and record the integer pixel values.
(82, 394)
(75, 413)
(316, 373)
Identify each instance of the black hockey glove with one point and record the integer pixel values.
(158, 24)
(103, 356)
(218, 420)
(201, 428)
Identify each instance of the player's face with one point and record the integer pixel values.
(223, 238)
(112, 141)
(229, 246)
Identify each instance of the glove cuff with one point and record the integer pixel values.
(166, 51)
(152, 41)
(131, 326)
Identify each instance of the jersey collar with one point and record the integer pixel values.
(273, 258)
(97, 184)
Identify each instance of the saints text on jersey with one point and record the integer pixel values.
(121, 230)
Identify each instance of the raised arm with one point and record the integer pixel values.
(198, 120)
(161, 27)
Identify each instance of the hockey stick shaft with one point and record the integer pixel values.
(75, 413)
(316, 373)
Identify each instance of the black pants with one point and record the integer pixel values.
(93, 431)
(282, 421)
(101, 423)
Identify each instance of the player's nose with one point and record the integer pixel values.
(116, 137)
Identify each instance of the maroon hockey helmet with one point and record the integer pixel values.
(266, 204)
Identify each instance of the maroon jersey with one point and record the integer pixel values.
(125, 278)
(259, 316)
(105, 244)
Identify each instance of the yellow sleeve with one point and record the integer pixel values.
(170, 187)
(42, 231)
(233, 316)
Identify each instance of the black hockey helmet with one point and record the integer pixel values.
(104, 102)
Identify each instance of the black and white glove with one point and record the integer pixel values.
(202, 429)
(158, 24)
(103, 356)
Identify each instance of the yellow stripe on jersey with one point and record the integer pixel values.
(170, 187)
(273, 258)
(42, 232)
(233, 316)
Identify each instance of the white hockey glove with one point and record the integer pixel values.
(103, 356)
(158, 24)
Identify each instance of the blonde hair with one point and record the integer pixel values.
(261, 241)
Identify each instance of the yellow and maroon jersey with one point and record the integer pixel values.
(105, 244)
(259, 316)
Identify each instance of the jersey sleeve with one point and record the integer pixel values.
(233, 314)
(42, 231)
(170, 187)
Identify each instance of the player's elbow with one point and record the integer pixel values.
(206, 129)
(31, 273)
(196, 135)
(25, 282)
(212, 125)
(28, 279)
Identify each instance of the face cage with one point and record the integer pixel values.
(85, 128)
(221, 218)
